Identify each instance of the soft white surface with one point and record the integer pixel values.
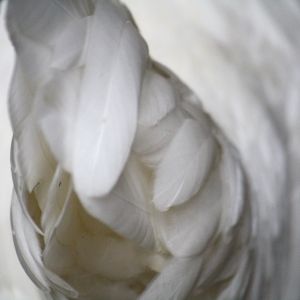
(14, 284)
(200, 41)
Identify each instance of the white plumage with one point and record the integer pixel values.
(125, 186)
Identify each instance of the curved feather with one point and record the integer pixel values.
(28, 248)
(109, 95)
(22, 194)
(158, 98)
(68, 45)
(61, 234)
(127, 208)
(34, 159)
(28, 253)
(151, 142)
(186, 229)
(59, 110)
(42, 21)
(176, 280)
(233, 183)
(185, 165)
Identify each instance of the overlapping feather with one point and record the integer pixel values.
(120, 161)
(185, 165)
(115, 58)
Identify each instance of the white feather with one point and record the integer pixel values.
(158, 98)
(247, 239)
(57, 254)
(176, 280)
(59, 110)
(57, 196)
(20, 189)
(185, 165)
(51, 16)
(233, 182)
(151, 142)
(187, 229)
(60, 285)
(28, 253)
(69, 44)
(108, 101)
(34, 159)
(127, 209)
